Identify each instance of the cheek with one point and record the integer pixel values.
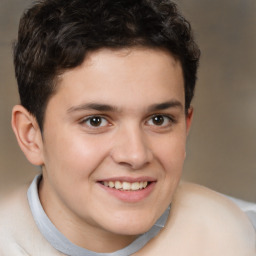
(171, 155)
(73, 156)
(171, 152)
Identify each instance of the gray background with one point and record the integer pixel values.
(222, 143)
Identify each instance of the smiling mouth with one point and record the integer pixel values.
(126, 186)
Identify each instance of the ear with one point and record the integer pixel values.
(28, 134)
(189, 118)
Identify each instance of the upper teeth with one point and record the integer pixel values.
(126, 185)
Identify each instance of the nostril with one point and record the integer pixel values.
(131, 149)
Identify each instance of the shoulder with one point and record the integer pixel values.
(203, 222)
(12, 207)
(13, 214)
(199, 199)
(218, 218)
(18, 233)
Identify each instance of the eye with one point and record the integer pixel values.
(95, 121)
(160, 120)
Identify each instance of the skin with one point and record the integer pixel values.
(138, 132)
(126, 89)
(202, 222)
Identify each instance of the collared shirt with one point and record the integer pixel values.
(63, 245)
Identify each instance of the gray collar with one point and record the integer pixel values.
(62, 244)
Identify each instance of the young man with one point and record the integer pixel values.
(105, 89)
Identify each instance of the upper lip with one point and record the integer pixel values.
(129, 179)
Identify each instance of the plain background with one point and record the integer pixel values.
(222, 143)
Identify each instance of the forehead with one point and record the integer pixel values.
(125, 75)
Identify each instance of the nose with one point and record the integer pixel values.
(131, 148)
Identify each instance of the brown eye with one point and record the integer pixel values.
(96, 121)
(158, 120)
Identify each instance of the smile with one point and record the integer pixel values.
(132, 186)
(128, 189)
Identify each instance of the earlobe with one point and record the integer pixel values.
(189, 118)
(28, 134)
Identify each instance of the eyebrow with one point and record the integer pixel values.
(93, 106)
(110, 108)
(165, 105)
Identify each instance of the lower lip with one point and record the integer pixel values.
(128, 195)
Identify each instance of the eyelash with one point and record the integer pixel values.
(166, 120)
(98, 118)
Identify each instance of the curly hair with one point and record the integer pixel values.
(56, 35)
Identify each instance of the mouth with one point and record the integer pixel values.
(125, 185)
(127, 189)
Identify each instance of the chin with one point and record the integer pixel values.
(132, 226)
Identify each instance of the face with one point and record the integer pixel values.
(114, 141)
